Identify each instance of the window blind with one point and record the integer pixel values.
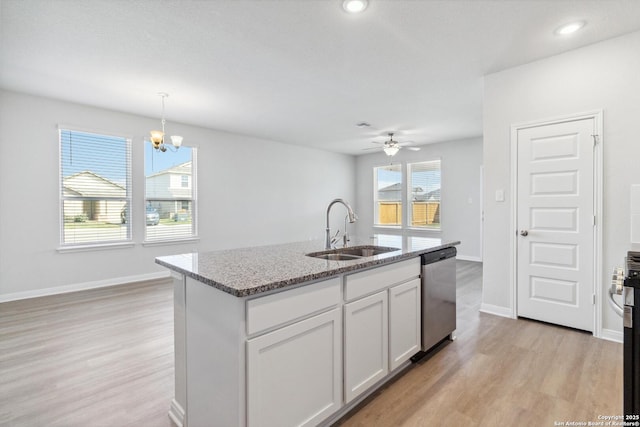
(424, 194)
(95, 188)
(170, 194)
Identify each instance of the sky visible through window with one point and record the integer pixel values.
(156, 161)
(79, 151)
(427, 180)
(387, 177)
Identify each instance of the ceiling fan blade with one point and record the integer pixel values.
(412, 148)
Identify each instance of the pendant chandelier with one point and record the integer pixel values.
(157, 136)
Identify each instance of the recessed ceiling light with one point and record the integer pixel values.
(354, 6)
(569, 28)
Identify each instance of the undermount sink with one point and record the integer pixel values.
(335, 257)
(351, 253)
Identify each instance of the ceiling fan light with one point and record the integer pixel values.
(176, 140)
(391, 150)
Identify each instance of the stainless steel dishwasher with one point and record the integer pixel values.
(438, 296)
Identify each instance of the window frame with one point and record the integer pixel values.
(128, 199)
(406, 199)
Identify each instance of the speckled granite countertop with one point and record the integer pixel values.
(249, 271)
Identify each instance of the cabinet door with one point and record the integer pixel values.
(294, 374)
(404, 322)
(366, 343)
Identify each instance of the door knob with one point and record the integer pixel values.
(524, 233)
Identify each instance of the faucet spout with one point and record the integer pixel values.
(350, 215)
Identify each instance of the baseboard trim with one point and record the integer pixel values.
(176, 413)
(83, 286)
(497, 310)
(468, 258)
(612, 335)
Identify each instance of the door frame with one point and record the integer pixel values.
(597, 116)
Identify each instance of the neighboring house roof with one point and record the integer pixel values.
(90, 184)
(392, 192)
(430, 196)
(181, 169)
(393, 187)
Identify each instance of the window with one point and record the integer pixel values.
(388, 195)
(424, 194)
(170, 194)
(95, 188)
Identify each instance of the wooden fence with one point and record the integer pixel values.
(422, 213)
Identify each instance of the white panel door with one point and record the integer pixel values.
(294, 374)
(404, 322)
(366, 340)
(556, 224)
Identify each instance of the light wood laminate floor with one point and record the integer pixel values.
(501, 372)
(105, 358)
(88, 359)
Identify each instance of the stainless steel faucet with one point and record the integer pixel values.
(345, 236)
(352, 218)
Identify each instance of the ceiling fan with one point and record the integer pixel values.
(391, 146)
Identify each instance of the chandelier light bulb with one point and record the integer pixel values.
(176, 140)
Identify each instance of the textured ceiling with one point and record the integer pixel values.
(297, 71)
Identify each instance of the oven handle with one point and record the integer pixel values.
(617, 287)
(614, 304)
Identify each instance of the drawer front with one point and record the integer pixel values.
(276, 309)
(376, 279)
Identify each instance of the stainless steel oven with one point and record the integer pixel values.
(628, 285)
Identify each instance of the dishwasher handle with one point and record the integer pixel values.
(439, 255)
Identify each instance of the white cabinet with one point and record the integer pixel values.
(366, 343)
(294, 374)
(382, 331)
(298, 357)
(404, 322)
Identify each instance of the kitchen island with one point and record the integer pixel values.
(270, 336)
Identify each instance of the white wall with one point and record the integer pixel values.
(250, 192)
(461, 162)
(602, 76)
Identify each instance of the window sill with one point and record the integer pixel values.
(408, 229)
(95, 247)
(426, 229)
(171, 242)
